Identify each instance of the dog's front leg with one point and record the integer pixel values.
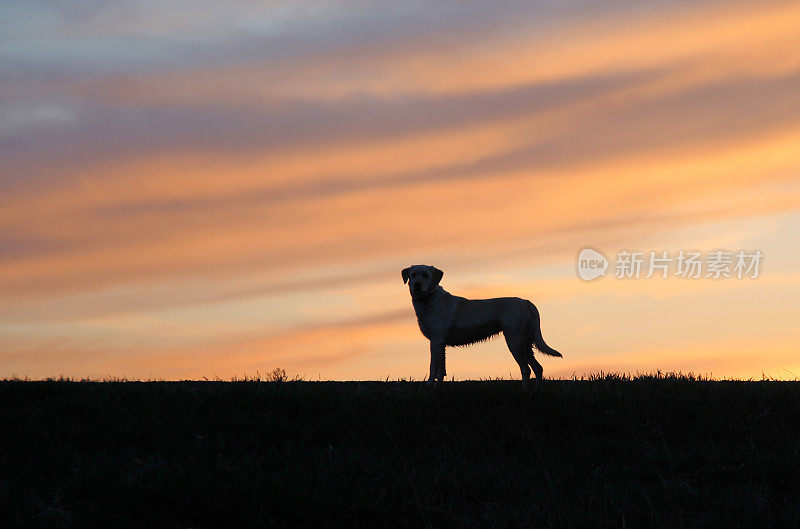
(437, 362)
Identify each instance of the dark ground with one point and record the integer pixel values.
(610, 452)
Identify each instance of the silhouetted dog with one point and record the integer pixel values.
(445, 320)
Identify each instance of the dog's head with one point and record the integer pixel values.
(422, 280)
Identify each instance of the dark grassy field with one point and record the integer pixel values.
(610, 452)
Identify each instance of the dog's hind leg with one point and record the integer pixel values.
(537, 367)
(520, 350)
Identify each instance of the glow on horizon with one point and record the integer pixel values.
(189, 191)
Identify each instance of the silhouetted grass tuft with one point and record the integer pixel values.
(610, 450)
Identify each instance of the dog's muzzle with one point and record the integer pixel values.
(417, 292)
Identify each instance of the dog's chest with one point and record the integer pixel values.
(434, 321)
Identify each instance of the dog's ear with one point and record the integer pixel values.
(405, 273)
(437, 275)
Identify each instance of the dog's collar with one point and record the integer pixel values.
(437, 294)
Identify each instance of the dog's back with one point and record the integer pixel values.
(480, 319)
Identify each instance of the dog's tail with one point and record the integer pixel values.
(536, 334)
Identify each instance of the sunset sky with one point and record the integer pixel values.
(194, 188)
